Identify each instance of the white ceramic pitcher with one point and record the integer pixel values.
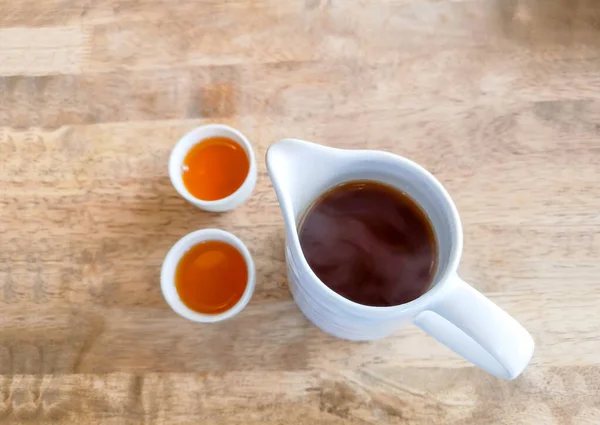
(451, 311)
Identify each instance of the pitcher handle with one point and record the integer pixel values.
(477, 329)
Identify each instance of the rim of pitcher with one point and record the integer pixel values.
(441, 278)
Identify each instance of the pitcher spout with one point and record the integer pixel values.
(300, 171)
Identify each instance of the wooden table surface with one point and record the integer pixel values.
(500, 99)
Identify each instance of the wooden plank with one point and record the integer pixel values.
(47, 13)
(129, 328)
(542, 86)
(42, 51)
(101, 213)
(394, 396)
(374, 31)
(55, 100)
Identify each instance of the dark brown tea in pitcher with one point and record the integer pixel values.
(370, 243)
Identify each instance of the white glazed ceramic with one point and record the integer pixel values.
(167, 275)
(198, 135)
(451, 311)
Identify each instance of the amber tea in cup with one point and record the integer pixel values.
(370, 243)
(215, 168)
(211, 277)
(208, 276)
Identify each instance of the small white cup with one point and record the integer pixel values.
(169, 267)
(196, 136)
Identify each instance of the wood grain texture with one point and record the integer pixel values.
(499, 98)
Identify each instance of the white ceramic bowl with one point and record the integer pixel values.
(196, 136)
(183, 245)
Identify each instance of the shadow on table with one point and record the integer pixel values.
(119, 263)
